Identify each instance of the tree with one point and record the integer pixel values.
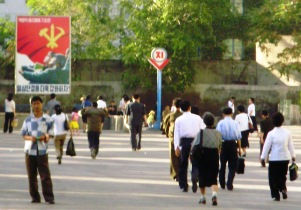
(273, 20)
(188, 30)
(7, 50)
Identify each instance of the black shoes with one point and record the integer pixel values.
(194, 187)
(139, 147)
(276, 199)
(214, 201)
(35, 201)
(51, 202)
(185, 189)
(284, 194)
(59, 160)
(202, 201)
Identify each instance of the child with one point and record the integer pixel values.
(151, 119)
(74, 127)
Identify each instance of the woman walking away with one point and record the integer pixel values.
(207, 158)
(10, 112)
(74, 127)
(279, 146)
(59, 131)
(243, 120)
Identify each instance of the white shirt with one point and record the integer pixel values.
(231, 105)
(243, 121)
(58, 121)
(10, 106)
(101, 104)
(251, 107)
(279, 141)
(187, 126)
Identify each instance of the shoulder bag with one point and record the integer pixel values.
(66, 124)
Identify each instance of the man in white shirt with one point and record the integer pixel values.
(187, 127)
(231, 104)
(101, 104)
(252, 113)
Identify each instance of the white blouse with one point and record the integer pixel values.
(279, 141)
(10, 106)
(251, 107)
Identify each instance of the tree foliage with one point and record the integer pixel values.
(188, 30)
(270, 22)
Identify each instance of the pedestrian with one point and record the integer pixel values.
(279, 146)
(101, 103)
(94, 121)
(10, 113)
(122, 104)
(36, 130)
(85, 104)
(151, 119)
(112, 109)
(74, 127)
(231, 136)
(186, 128)
(169, 125)
(243, 120)
(135, 116)
(165, 112)
(51, 103)
(59, 131)
(231, 104)
(207, 158)
(252, 113)
(266, 125)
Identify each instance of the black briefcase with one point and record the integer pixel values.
(240, 165)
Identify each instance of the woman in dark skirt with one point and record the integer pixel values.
(208, 158)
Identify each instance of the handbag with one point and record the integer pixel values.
(15, 122)
(196, 150)
(66, 124)
(240, 165)
(70, 148)
(293, 171)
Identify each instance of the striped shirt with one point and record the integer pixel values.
(37, 127)
(229, 129)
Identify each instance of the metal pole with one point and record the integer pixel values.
(159, 90)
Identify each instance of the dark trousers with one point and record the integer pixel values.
(136, 130)
(228, 155)
(93, 138)
(174, 160)
(35, 164)
(277, 177)
(9, 117)
(183, 162)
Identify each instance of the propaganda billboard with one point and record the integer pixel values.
(43, 55)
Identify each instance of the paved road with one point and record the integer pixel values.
(121, 179)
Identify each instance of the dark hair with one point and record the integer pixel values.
(136, 96)
(252, 99)
(52, 95)
(126, 98)
(178, 103)
(74, 109)
(208, 119)
(58, 109)
(241, 108)
(185, 106)
(36, 98)
(278, 119)
(112, 101)
(227, 111)
(10, 97)
(195, 110)
(232, 97)
(94, 104)
(88, 97)
(264, 112)
(100, 97)
(124, 95)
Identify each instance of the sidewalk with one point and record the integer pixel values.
(122, 179)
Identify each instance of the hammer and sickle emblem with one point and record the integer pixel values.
(52, 38)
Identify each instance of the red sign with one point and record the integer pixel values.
(159, 58)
